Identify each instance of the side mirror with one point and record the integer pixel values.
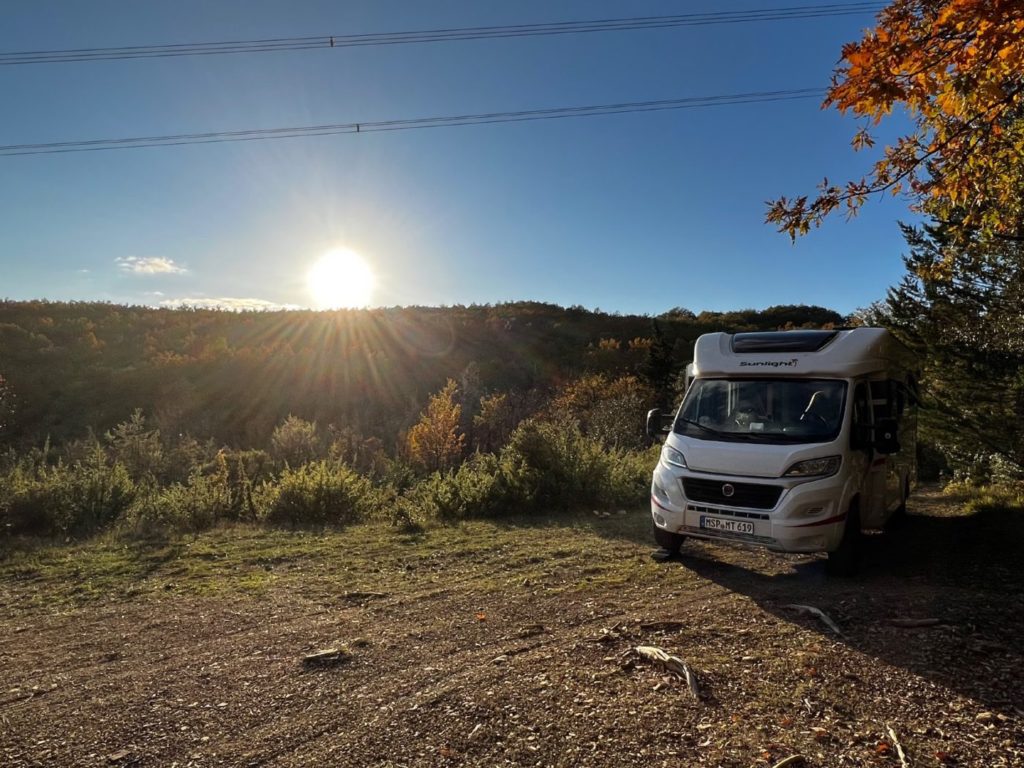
(887, 436)
(656, 424)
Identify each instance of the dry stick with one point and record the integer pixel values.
(899, 747)
(651, 626)
(673, 664)
(791, 760)
(327, 657)
(820, 614)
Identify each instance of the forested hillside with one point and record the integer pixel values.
(72, 367)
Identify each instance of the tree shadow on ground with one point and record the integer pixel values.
(963, 570)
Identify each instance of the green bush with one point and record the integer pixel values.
(562, 468)
(544, 468)
(178, 508)
(628, 481)
(322, 493)
(296, 442)
(64, 499)
(483, 486)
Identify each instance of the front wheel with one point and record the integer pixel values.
(670, 542)
(845, 560)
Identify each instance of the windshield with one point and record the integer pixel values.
(768, 410)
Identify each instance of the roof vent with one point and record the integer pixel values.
(781, 341)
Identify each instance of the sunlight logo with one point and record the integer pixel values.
(770, 363)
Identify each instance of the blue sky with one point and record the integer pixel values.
(632, 213)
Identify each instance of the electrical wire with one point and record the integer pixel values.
(553, 113)
(73, 55)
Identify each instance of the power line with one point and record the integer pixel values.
(438, 35)
(554, 113)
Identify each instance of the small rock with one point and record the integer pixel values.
(985, 717)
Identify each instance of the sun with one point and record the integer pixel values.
(341, 279)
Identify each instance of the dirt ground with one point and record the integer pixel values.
(492, 644)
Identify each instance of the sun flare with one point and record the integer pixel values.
(341, 279)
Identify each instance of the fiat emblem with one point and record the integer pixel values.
(728, 490)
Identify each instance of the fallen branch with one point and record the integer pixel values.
(791, 760)
(671, 663)
(329, 657)
(899, 747)
(820, 614)
(662, 626)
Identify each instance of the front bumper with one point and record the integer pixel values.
(809, 515)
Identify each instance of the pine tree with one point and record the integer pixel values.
(967, 323)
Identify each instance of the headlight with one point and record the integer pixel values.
(670, 457)
(815, 467)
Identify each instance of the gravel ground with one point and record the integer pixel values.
(508, 652)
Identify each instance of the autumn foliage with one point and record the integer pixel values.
(434, 442)
(957, 68)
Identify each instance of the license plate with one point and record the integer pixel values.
(732, 526)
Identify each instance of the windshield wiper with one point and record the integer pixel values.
(716, 432)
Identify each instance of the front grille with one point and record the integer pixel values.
(749, 495)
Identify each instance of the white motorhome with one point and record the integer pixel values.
(791, 440)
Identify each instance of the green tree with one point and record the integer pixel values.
(965, 322)
(136, 446)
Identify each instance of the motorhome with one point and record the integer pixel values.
(791, 440)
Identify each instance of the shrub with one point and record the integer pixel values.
(65, 499)
(562, 468)
(322, 493)
(545, 467)
(628, 482)
(178, 508)
(184, 457)
(295, 442)
(484, 486)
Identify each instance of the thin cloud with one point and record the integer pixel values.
(229, 304)
(149, 265)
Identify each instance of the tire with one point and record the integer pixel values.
(845, 560)
(670, 542)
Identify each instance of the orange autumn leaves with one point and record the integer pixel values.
(956, 67)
